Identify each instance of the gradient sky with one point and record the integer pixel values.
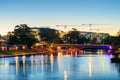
(53, 12)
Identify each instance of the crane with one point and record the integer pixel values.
(66, 26)
(90, 26)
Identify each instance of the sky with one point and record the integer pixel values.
(105, 14)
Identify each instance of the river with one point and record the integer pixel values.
(60, 67)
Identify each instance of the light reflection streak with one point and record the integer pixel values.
(90, 69)
(76, 53)
(17, 64)
(31, 58)
(90, 65)
(58, 59)
(3, 62)
(23, 59)
(36, 63)
(100, 52)
(101, 62)
(52, 61)
(65, 75)
(42, 62)
(46, 60)
(71, 53)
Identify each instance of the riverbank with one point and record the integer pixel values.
(116, 57)
(12, 53)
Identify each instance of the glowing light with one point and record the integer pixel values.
(51, 61)
(58, 47)
(16, 48)
(58, 59)
(23, 47)
(65, 75)
(110, 47)
(76, 53)
(3, 48)
(23, 59)
(90, 69)
(16, 61)
(111, 55)
(118, 56)
(90, 65)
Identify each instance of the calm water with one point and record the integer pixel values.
(61, 67)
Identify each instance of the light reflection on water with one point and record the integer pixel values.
(60, 67)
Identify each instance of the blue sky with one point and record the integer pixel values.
(53, 12)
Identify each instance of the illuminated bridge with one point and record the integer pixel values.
(82, 46)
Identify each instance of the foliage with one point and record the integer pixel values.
(22, 35)
(74, 37)
(107, 40)
(118, 33)
(0, 37)
(112, 40)
(50, 36)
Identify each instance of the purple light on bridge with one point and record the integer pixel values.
(110, 47)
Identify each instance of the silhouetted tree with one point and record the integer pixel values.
(0, 37)
(22, 35)
(112, 40)
(74, 37)
(107, 40)
(50, 36)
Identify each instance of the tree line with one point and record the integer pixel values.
(23, 35)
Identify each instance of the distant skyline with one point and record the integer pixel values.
(60, 12)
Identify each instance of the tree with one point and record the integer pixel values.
(50, 36)
(22, 35)
(118, 33)
(74, 37)
(112, 40)
(0, 37)
(94, 41)
(107, 40)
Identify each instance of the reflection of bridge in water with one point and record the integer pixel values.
(83, 47)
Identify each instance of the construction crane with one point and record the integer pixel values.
(66, 26)
(90, 26)
(74, 26)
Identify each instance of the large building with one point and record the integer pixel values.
(93, 35)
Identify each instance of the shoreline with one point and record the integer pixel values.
(22, 54)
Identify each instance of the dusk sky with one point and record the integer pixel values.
(53, 12)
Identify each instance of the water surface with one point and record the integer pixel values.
(60, 67)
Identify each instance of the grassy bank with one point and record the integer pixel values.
(17, 51)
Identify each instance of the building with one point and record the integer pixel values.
(93, 35)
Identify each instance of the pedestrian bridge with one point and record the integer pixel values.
(83, 46)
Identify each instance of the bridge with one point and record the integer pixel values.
(83, 46)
